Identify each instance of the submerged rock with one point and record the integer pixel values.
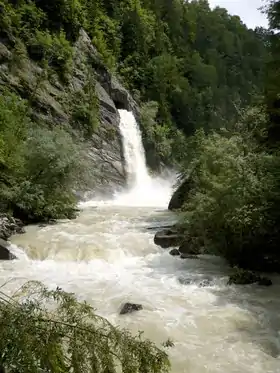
(130, 307)
(174, 252)
(168, 238)
(5, 253)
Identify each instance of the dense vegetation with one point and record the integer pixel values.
(39, 166)
(232, 207)
(188, 67)
(207, 102)
(50, 331)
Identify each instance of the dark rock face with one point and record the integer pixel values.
(168, 238)
(5, 253)
(174, 252)
(130, 307)
(9, 226)
(180, 195)
(52, 105)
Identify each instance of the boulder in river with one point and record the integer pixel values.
(168, 238)
(9, 226)
(130, 307)
(174, 252)
(5, 253)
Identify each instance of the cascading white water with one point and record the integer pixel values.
(143, 189)
(134, 154)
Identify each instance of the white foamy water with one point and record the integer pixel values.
(107, 257)
(143, 189)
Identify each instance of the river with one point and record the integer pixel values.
(107, 257)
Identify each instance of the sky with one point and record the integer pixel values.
(247, 10)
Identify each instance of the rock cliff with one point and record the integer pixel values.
(52, 99)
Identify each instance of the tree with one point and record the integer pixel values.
(49, 330)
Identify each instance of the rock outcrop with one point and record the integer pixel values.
(180, 195)
(5, 253)
(9, 226)
(168, 238)
(188, 249)
(52, 103)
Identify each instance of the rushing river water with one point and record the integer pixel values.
(107, 257)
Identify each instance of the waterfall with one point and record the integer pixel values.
(134, 154)
(143, 189)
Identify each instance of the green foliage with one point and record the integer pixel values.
(272, 98)
(46, 330)
(53, 49)
(165, 143)
(39, 166)
(229, 206)
(84, 108)
(13, 132)
(196, 63)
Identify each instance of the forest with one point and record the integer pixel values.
(187, 66)
(208, 92)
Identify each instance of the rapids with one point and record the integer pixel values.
(107, 257)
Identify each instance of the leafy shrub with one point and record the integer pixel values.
(229, 205)
(67, 15)
(53, 48)
(13, 131)
(53, 166)
(50, 331)
(40, 167)
(85, 109)
(164, 142)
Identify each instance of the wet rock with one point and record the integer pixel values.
(187, 248)
(5, 253)
(245, 277)
(185, 281)
(174, 252)
(10, 226)
(130, 307)
(264, 281)
(160, 227)
(180, 195)
(168, 238)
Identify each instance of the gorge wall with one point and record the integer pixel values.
(52, 101)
